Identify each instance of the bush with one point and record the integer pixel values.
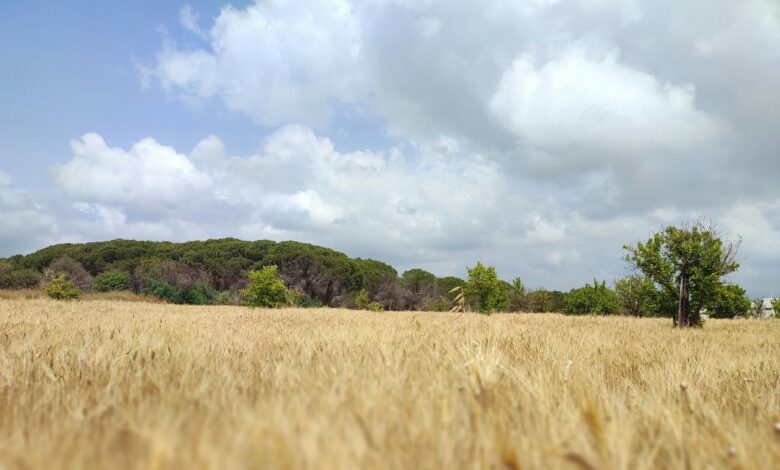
(73, 271)
(112, 281)
(730, 300)
(265, 289)
(199, 294)
(636, 295)
(484, 291)
(19, 279)
(60, 288)
(164, 290)
(597, 299)
(440, 304)
(363, 302)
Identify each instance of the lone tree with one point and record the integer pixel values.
(688, 262)
(484, 290)
(265, 289)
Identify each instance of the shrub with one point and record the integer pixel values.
(636, 295)
(73, 271)
(19, 279)
(60, 288)
(362, 300)
(164, 290)
(440, 304)
(199, 294)
(484, 291)
(597, 299)
(730, 300)
(265, 289)
(112, 281)
(294, 298)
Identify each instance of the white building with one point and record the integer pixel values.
(766, 310)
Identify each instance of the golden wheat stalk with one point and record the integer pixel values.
(459, 302)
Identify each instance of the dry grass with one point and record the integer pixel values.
(99, 384)
(120, 296)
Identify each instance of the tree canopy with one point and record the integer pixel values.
(687, 263)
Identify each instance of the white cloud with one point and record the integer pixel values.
(575, 105)
(277, 61)
(189, 19)
(25, 224)
(149, 175)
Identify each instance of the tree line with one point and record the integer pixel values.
(679, 272)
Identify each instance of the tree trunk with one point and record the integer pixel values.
(684, 305)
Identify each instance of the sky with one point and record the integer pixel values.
(538, 136)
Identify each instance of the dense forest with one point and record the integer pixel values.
(214, 271)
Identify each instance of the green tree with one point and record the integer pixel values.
(729, 301)
(265, 289)
(363, 302)
(417, 280)
(597, 299)
(61, 288)
(19, 278)
(516, 298)
(112, 281)
(776, 307)
(484, 290)
(446, 284)
(636, 295)
(688, 262)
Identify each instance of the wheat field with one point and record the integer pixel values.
(109, 384)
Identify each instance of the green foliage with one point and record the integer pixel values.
(164, 290)
(439, 304)
(363, 302)
(729, 302)
(372, 272)
(483, 290)
(542, 300)
(446, 284)
(199, 294)
(72, 270)
(265, 289)
(516, 296)
(225, 298)
(692, 256)
(60, 288)
(112, 281)
(19, 278)
(595, 299)
(417, 280)
(637, 295)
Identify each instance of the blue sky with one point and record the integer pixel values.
(539, 136)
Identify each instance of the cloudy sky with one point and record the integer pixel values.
(538, 136)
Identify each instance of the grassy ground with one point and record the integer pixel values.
(107, 384)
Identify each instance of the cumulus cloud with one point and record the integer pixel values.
(148, 174)
(538, 136)
(278, 61)
(573, 105)
(25, 223)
